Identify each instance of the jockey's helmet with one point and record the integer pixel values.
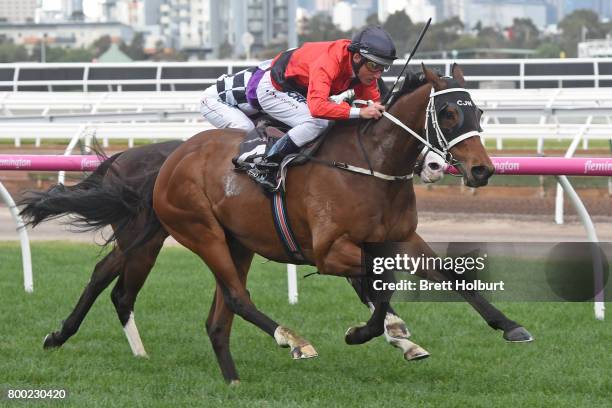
(374, 44)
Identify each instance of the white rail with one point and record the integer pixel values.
(160, 76)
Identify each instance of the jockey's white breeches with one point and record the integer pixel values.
(223, 115)
(290, 108)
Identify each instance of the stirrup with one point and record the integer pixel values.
(266, 178)
(266, 165)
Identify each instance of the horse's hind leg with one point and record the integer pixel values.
(220, 318)
(191, 222)
(123, 296)
(104, 273)
(396, 331)
(513, 332)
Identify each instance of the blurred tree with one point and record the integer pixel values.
(440, 36)
(321, 28)
(272, 50)
(372, 19)
(524, 34)
(225, 50)
(576, 25)
(401, 29)
(491, 38)
(101, 45)
(548, 50)
(10, 52)
(58, 54)
(136, 48)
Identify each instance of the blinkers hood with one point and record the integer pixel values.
(467, 123)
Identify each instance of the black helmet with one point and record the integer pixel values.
(375, 44)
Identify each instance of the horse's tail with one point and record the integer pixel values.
(92, 204)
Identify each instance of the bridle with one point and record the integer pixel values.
(431, 116)
(441, 140)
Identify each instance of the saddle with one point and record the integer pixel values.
(258, 142)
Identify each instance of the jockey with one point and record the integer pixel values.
(297, 87)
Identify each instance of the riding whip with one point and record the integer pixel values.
(416, 46)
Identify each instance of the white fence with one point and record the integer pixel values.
(544, 114)
(160, 76)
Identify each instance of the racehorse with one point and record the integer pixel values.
(225, 218)
(118, 194)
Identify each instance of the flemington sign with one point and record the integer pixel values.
(573, 166)
(551, 166)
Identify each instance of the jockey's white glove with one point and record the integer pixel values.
(433, 168)
(344, 96)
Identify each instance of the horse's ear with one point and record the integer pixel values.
(430, 75)
(458, 74)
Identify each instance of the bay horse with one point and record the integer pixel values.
(118, 194)
(224, 218)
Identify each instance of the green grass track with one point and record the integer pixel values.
(568, 365)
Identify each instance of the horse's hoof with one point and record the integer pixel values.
(518, 335)
(305, 351)
(51, 341)
(234, 383)
(352, 335)
(416, 353)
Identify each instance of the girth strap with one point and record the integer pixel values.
(283, 228)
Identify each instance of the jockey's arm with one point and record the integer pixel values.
(321, 76)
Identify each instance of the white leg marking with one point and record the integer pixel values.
(133, 337)
(280, 337)
(396, 326)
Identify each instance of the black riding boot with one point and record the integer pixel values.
(281, 149)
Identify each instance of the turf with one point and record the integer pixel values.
(568, 364)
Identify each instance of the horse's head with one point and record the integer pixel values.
(453, 126)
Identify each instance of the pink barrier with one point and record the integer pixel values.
(553, 166)
(575, 166)
(42, 162)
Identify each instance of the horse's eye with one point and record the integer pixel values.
(449, 115)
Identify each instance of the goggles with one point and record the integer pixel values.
(374, 67)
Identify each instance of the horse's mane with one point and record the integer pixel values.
(412, 81)
(408, 84)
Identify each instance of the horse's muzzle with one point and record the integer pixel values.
(479, 176)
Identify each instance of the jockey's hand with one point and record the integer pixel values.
(373, 111)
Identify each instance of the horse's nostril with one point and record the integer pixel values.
(481, 172)
(434, 166)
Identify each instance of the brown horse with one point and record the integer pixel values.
(225, 218)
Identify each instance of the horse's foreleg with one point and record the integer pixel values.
(343, 257)
(135, 272)
(513, 331)
(395, 329)
(104, 273)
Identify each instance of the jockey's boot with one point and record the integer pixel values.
(281, 149)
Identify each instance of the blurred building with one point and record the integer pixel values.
(270, 22)
(493, 13)
(348, 16)
(58, 11)
(325, 6)
(562, 8)
(17, 11)
(69, 35)
(417, 10)
(595, 48)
